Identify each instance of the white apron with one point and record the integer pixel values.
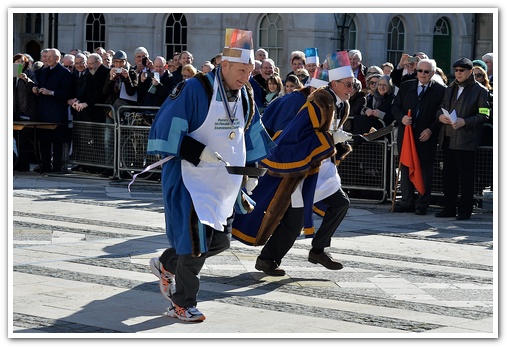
(328, 180)
(212, 188)
(328, 183)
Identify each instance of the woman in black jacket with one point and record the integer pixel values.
(377, 111)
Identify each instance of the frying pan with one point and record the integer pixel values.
(376, 134)
(244, 170)
(248, 171)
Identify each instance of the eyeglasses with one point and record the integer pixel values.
(347, 85)
(460, 70)
(481, 75)
(382, 85)
(372, 83)
(424, 71)
(68, 66)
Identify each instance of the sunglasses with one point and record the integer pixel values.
(372, 83)
(347, 85)
(460, 70)
(481, 75)
(424, 71)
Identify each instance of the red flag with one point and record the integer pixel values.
(410, 159)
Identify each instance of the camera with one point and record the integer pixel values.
(145, 61)
(412, 59)
(118, 70)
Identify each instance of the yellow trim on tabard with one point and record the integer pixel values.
(309, 231)
(318, 211)
(249, 239)
(484, 110)
(315, 123)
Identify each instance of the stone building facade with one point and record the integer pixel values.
(379, 35)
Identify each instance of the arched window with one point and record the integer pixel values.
(33, 24)
(176, 31)
(347, 31)
(95, 31)
(395, 40)
(270, 36)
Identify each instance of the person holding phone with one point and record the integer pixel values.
(406, 68)
(153, 90)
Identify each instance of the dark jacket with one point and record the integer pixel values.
(95, 94)
(156, 95)
(468, 106)
(407, 99)
(398, 77)
(54, 108)
(361, 74)
(130, 82)
(25, 101)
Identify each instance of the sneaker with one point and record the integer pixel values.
(190, 314)
(167, 282)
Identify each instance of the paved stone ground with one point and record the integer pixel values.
(81, 247)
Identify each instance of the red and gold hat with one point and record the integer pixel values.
(238, 46)
(339, 65)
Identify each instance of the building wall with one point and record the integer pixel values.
(127, 31)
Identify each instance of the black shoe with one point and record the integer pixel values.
(445, 213)
(404, 208)
(420, 211)
(325, 260)
(269, 267)
(463, 216)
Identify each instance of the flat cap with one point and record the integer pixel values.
(120, 55)
(464, 63)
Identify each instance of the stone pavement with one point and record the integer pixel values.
(81, 248)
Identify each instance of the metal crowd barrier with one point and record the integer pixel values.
(368, 172)
(120, 146)
(94, 144)
(365, 171)
(483, 172)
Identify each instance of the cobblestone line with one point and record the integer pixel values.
(102, 234)
(61, 325)
(438, 237)
(334, 314)
(86, 221)
(48, 325)
(243, 280)
(157, 204)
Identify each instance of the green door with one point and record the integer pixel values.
(442, 41)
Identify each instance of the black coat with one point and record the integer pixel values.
(54, 108)
(161, 91)
(407, 99)
(473, 98)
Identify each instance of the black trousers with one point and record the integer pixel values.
(458, 173)
(290, 226)
(186, 267)
(408, 197)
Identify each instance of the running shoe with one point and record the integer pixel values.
(189, 314)
(167, 282)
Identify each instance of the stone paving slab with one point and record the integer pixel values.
(81, 249)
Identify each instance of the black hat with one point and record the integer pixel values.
(464, 63)
(120, 55)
